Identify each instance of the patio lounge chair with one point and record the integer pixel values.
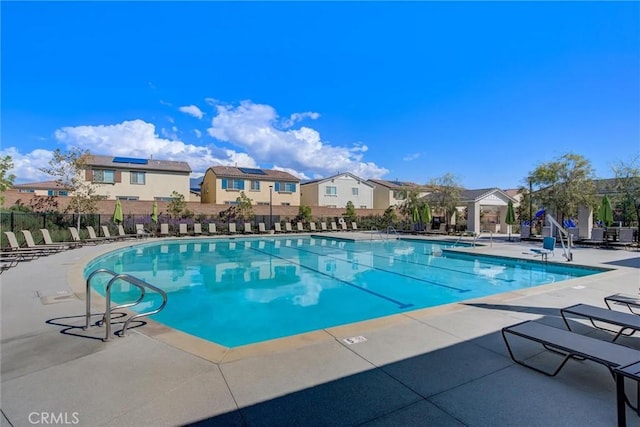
(312, 227)
(183, 229)
(141, 232)
(261, 228)
(197, 229)
(277, 228)
(93, 236)
(619, 299)
(343, 226)
(164, 230)
(31, 244)
(624, 321)
(287, 227)
(548, 247)
(570, 345)
(212, 228)
(75, 236)
(123, 234)
(14, 249)
(247, 228)
(334, 227)
(232, 228)
(300, 227)
(323, 226)
(46, 236)
(107, 234)
(354, 226)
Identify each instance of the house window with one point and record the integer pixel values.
(138, 178)
(285, 187)
(232, 184)
(363, 207)
(285, 204)
(104, 176)
(255, 185)
(399, 195)
(231, 202)
(26, 190)
(263, 203)
(331, 191)
(57, 193)
(127, 197)
(354, 191)
(163, 199)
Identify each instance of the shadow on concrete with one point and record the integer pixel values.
(630, 262)
(472, 383)
(543, 311)
(75, 325)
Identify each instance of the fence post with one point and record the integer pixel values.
(11, 221)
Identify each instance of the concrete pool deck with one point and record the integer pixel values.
(442, 366)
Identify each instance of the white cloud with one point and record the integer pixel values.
(252, 127)
(26, 167)
(198, 133)
(411, 157)
(192, 110)
(296, 117)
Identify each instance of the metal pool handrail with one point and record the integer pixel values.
(140, 284)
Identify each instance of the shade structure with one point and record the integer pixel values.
(605, 214)
(118, 216)
(426, 213)
(154, 212)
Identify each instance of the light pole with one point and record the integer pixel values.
(270, 207)
(530, 208)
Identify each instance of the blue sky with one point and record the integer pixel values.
(408, 91)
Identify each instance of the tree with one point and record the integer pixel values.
(245, 209)
(350, 214)
(177, 204)
(304, 214)
(69, 169)
(389, 217)
(627, 186)
(6, 179)
(445, 196)
(564, 184)
(411, 201)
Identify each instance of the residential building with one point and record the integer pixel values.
(336, 191)
(222, 185)
(392, 193)
(44, 188)
(128, 178)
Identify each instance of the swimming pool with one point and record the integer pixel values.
(242, 291)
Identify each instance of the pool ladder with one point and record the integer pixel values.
(106, 319)
(382, 234)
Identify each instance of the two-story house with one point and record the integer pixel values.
(128, 178)
(392, 193)
(336, 191)
(222, 185)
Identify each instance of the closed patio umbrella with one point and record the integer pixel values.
(605, 214)
(510, 218)
(154, 212)
(426, 213)
(118, 216)
(416, 217)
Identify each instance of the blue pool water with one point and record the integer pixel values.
(242, 291)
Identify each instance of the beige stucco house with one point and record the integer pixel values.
(222, 185)
(128, 178)
(336, 191)
(392, 193)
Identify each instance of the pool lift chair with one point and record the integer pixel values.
(547, 248)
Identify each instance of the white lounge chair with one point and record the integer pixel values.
(300, 227)
(123, 234)
(212, 228)
(107, 233)
(164, 230)
(197, 229)
(49, 241)
(141, 232)
(183, 229)
(247, 228)
(354, 226)
(287, 227)
(312, 227)
(334, 226)
(261, 228)
(323, 226)
(28, 238)
(93, 236)
(232, 228)
(277, 228)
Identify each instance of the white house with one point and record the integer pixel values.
(336, 191)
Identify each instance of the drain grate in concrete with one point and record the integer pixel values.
(354, 340)
(55, 297)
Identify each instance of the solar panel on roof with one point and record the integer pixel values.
(132, 160)
(252, 171)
